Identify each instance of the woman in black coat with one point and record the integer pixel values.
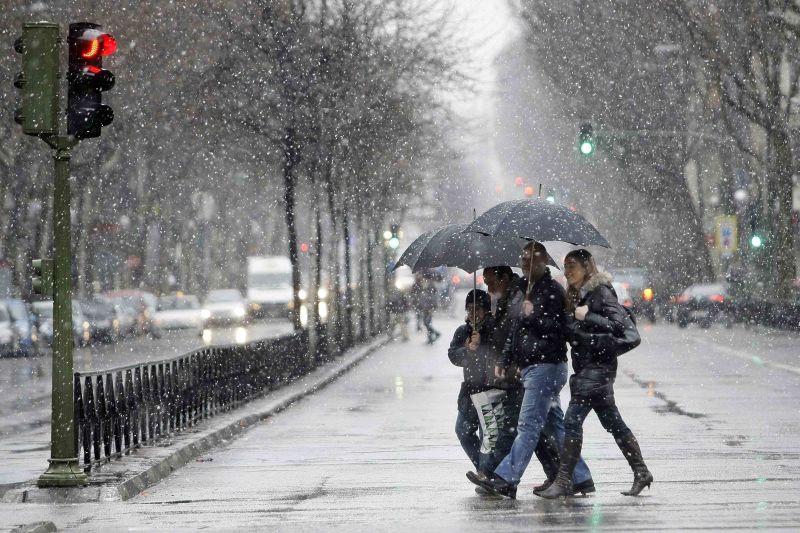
(595, 328)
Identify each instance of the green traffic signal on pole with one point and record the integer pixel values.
(38, 80)
(42, 280)
(586, 140)
(756, 241)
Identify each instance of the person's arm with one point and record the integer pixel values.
(549, 316)
(609, 319)
(458, 346)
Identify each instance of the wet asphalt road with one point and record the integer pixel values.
(25, 385)
(718, 420)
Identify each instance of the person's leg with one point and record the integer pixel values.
(466, 431)
(573, 441)
(541, 384)
(555, 427)
(612, 421)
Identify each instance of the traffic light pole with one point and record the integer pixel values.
(64, 470)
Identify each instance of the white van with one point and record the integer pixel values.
(269, 285)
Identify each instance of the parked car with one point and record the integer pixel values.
(177, 311)
(702, 303)
(81, 332)
(23, 325)
(637, 282)
(143, 302)
(224, 306)
(103, 321)
(9, 342)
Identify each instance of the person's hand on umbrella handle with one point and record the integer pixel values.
(527, 308)
(499, 372)
(581, 312)
(474, 341)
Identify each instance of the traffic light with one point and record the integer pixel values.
(87, 80)
(394, 240)
(39, 78)
(756, 241)
(586, 140)
(42, 280)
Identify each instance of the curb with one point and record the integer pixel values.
(184, 452)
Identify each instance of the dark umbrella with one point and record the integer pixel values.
(452, 246)
(537, 219)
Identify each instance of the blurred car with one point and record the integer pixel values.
(9, 342)
(638, 283)
(224, 306)
(81, 332)
(178, 311)
(143, 302)
(623, 296)
(23, 325)
(102, 319)
(702, 303)
(128, 315)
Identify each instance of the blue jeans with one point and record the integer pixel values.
(468, 433)
(540, 411)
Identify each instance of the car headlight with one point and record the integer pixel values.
(302, 294)
(322, 293)
(205, 314)
(239, 312)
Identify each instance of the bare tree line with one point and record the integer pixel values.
(244, 128)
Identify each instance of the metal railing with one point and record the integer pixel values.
(120, 409)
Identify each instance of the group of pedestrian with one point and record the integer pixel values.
(515, 364)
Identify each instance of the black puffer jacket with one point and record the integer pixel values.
(539, 337)
(478, 365)
(595, 342)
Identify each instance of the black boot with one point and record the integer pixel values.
(562, 486)
(544, 486)
(641, 475)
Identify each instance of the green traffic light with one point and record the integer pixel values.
(587, 148)
(756, 241)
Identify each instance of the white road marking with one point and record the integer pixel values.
(747, 357)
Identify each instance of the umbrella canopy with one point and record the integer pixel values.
(451, 246)
(539, 220)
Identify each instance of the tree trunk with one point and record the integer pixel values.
(291, 158)
(780, 242)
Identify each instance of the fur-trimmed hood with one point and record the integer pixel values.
(601, 278)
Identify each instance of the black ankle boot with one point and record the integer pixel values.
(641, 475)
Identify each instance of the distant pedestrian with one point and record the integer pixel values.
(427, 305)
(399, 306)
(596, 328)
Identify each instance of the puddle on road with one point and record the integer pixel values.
(670, 406)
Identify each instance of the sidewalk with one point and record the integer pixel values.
(376, 451)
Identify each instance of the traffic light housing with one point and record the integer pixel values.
(394, 240)
(42, 280)
(87, 80)
(38, 80)
(586, 140)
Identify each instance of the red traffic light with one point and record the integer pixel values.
(518, 181)
(304, 247)
(97, 44)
